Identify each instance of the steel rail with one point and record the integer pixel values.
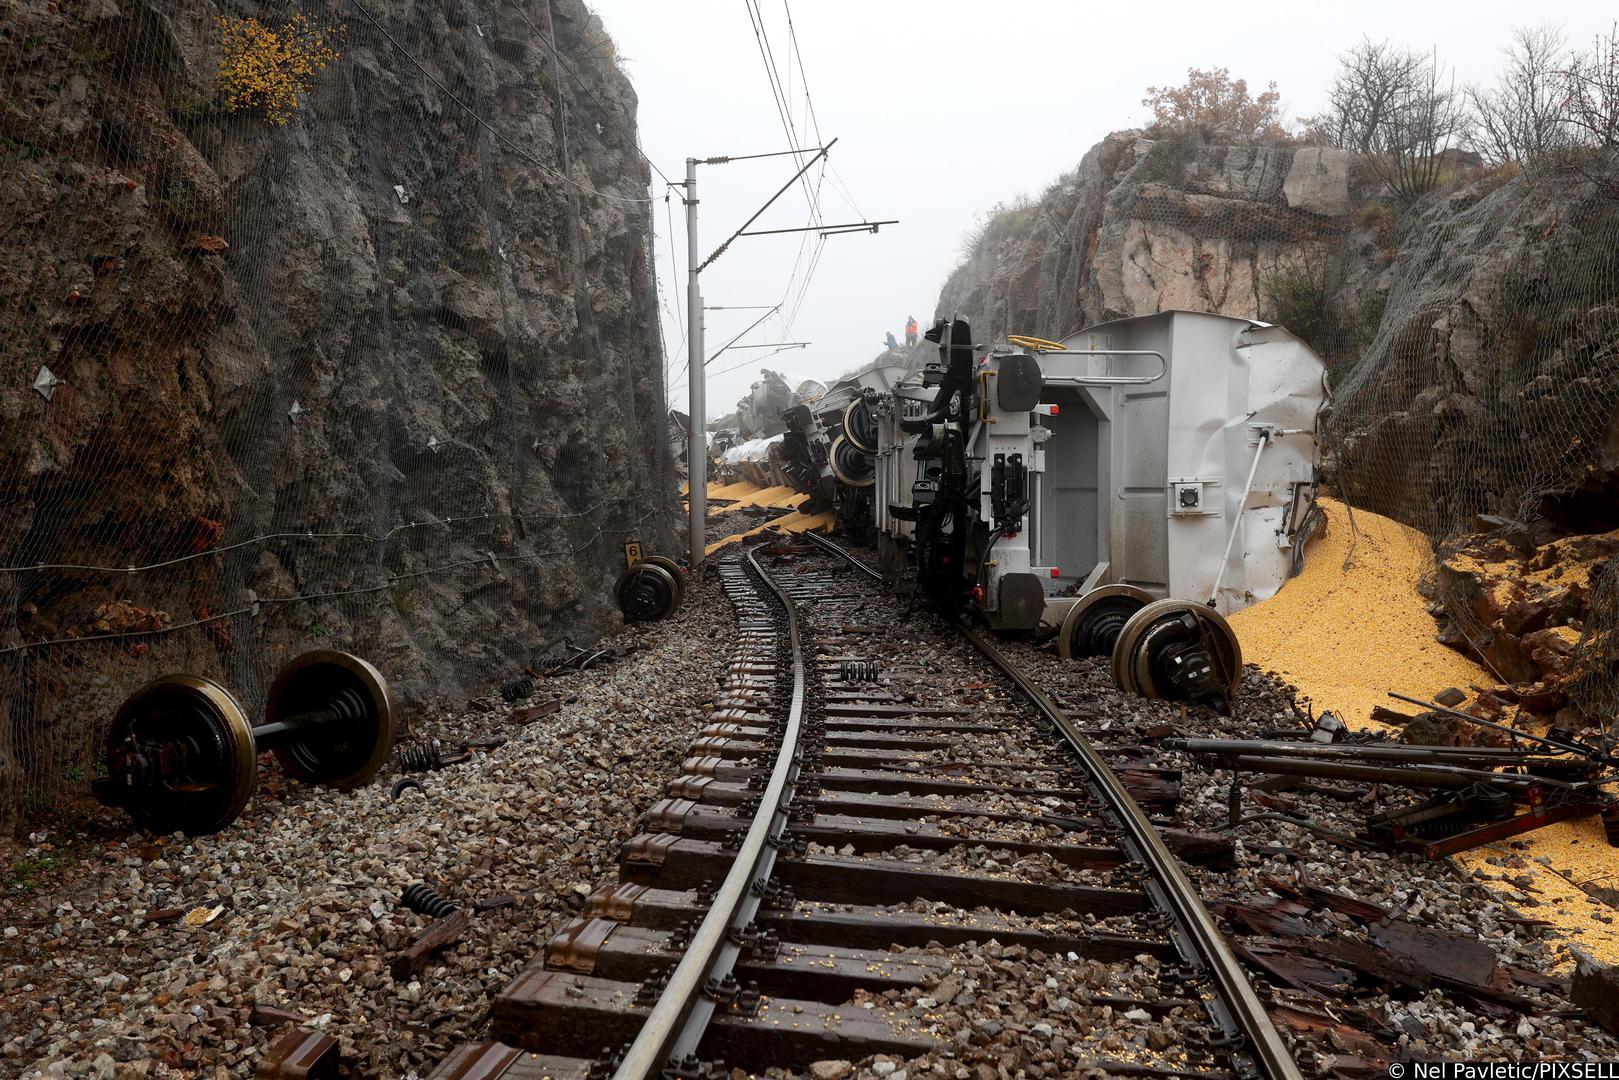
(676, 1023)
(1237, 1007)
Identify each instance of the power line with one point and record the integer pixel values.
(803, 75)
(843, 188)
(470, 111)
(773, 76)
(756, 361)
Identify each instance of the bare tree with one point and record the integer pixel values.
(1522, 118)
(1372, 77)
(1591, 81)
(1421, 124)
(1591, 85)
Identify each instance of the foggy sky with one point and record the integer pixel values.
(942, 109)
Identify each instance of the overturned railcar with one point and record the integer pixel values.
(848, 417)
(1168, 456)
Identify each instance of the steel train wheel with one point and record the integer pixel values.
(180, 756)
(851, 465)
(859, 426)
(1092, 626)
(341, 755)
(1180, 651)
(646, 592)
(676, 571)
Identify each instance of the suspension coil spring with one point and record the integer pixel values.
(859, 671)
(421, 757)
(421, 899)
(1440, 828)
(519, 689)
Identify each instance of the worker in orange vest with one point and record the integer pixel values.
(910, 330)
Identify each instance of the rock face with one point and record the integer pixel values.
(1150, 224)
(1472, 338)
(385, 378)
(1528, 610)
(1491, 385)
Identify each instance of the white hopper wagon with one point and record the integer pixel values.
(1168, 456)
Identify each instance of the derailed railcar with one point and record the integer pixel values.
(1168, 457)
(840, 433)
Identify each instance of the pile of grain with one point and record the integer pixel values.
(1545, 874)
(1346, 635)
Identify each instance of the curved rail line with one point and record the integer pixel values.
(1236, 1008)
(601, 971)
(677, 1023)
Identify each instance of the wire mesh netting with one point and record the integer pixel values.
(1472, 335)
(320, 326)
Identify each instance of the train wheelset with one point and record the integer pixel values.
(650, 589)
(1169, 649)
(182, 756)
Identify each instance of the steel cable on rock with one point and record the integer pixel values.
(388, 583)
(178, 554)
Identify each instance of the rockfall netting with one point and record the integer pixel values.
(328, 325)
(1484, 409)
(1472, 335)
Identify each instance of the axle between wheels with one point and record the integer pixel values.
(181, 755)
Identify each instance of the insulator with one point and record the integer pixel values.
(519, 689)
(420, 757)
(421, 899)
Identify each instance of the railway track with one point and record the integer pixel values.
(874, 829)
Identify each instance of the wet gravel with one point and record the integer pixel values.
(1409, 1023)
(307, 886)
(1431, 893)
(1000, 1011)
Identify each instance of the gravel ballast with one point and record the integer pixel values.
(308, 885)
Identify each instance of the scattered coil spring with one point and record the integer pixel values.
(420, 757)
(1439, 828)
(859, 671)
(421, 899)
(519, 689)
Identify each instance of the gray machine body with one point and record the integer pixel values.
(1174, 452)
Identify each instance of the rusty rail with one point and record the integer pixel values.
(1256, 1047)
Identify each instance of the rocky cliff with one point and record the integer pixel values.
(1473, 339)
(1145, 224)
(386, 376)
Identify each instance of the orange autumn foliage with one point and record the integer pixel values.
(1212, 99)
(267, 70)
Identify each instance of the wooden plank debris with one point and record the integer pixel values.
(443, 932)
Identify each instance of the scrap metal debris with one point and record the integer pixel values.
(518, 689)
(1484, 793)
(404, 785)
(300, 1054)
(571, 659)
(202, 916)
(1331, 949)
(429, 756)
